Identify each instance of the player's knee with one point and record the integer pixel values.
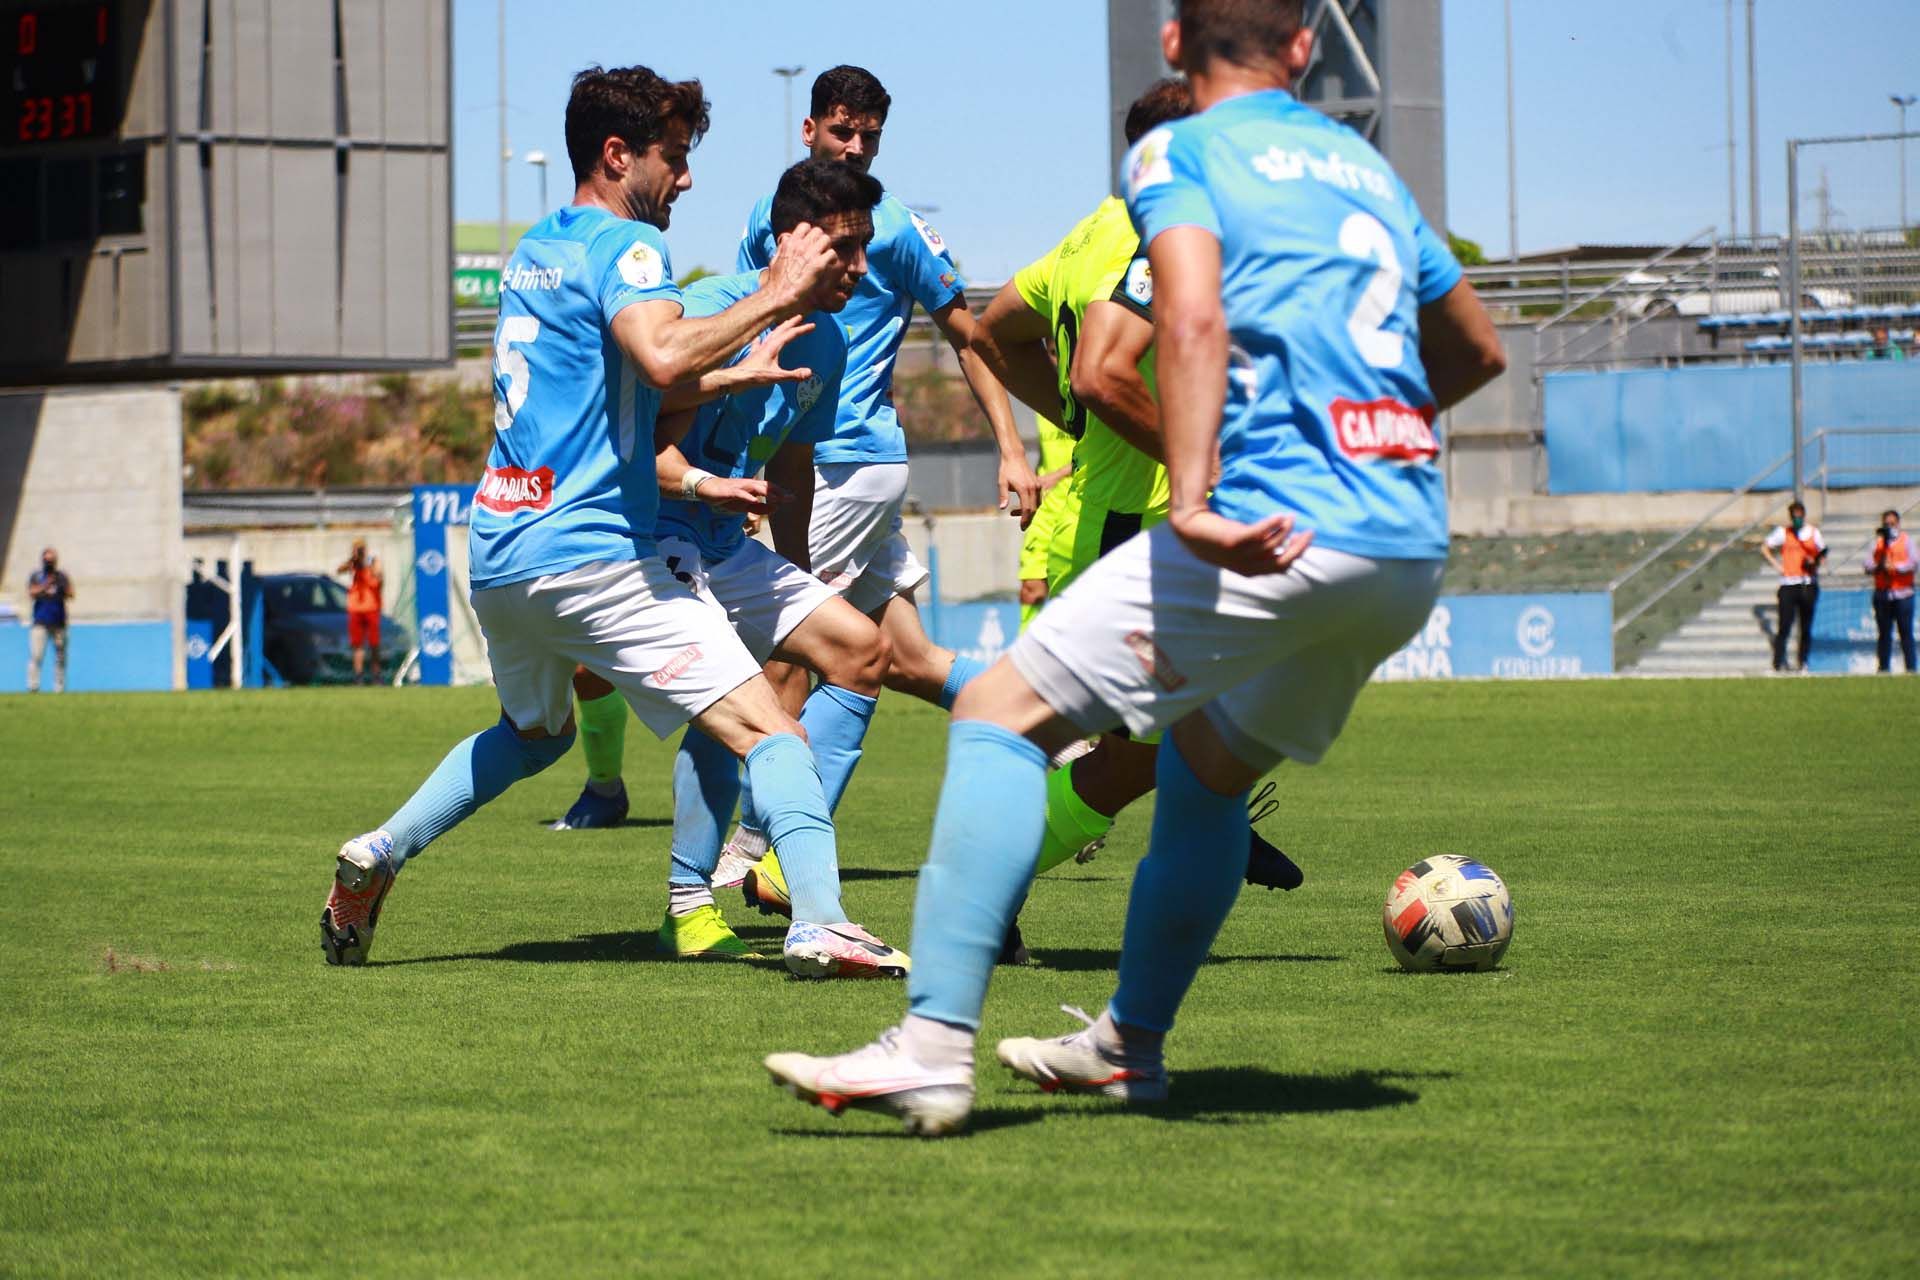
(868, 664)
(537, 753)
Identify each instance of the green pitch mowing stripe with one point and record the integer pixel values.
(1696, 1060)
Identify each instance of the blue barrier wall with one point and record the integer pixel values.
(1658, 430)
(101, 657)
(1520, 637)
(1844, 634)
(1512, 637)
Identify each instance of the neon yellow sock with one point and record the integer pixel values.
(603, 736)
(1072, 823)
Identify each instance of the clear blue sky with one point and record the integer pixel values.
(999, 117)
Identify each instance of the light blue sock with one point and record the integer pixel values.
(786, 788)
(1182, 891)
(959, 677)
(473, 773)
(986, 840)
(836, 722)
(706, 782)
(749, 816)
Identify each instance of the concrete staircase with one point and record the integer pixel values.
(1734, 635)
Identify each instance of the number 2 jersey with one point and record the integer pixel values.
(1325, 263)
(570, 477)
(734, 435)
(907, 262)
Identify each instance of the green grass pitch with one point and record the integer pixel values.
(1698, 1058)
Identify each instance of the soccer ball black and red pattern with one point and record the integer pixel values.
(1448, 912)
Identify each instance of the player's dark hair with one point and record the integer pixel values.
(855, 88)
(1164, 102)
(1245, 32)
(1796, 505)
(630, 103)
(815, 190)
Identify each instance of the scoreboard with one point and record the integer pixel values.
(61, 72)
(203, 187)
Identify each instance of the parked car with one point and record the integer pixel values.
(305, 626)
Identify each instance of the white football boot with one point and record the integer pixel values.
(841, 951)
(883, 1077)
(1076, 1063)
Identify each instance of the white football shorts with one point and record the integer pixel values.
(671, 652)
(855, 538)
(765, 595)
(1151, 632)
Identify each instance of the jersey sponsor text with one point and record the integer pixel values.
(1384, 429)
(508, 489)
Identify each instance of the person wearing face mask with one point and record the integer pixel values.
(1890, 562)
(1800, 548)
(49, 589)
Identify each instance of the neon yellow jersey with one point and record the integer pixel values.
(1091, 265)
(1056, 446)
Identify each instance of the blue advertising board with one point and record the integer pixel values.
(1509, 637)
(435, 507)
(102, 657)
(1845, 634)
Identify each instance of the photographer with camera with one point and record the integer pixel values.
(50, 589)
(363, 612)
(1890, 561)
(1801, 549)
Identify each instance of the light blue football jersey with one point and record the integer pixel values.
(735, 435)
(569, 479)
(907, 262)
(1326, 262)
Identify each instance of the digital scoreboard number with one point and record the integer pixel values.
(61, 70)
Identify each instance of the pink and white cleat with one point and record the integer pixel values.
(362, 874)
(883, 1077)
(841, 951)
(1078, 1064)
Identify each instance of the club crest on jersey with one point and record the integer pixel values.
(1384, 430)
(808, 393)
(641, 266)
(1150, 165)
(508, 489)
(927, 233)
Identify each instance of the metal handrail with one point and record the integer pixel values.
(1613, 286)
(1634, 569)
(1817, 438)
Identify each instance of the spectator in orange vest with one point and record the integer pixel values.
(363, 611)
(1890, 561)
(1801, 549)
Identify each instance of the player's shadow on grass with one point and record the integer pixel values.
(983, 1120)
(632, 947)
(1226, 1095)
(625, 822)
(1107, 959)
(875, 873)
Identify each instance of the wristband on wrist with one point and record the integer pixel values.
(690, 482)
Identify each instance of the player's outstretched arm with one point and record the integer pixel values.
(1016, 478)
(1459, 346)
(1106, 376)
(791, 470)
(760, 367)
(1012, 338)
(1191, 327)
(668, 347)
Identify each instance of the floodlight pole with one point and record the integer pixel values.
(1733, 142)
(1753, 131)
(1793, 306)
(1513, 189)
(1902, 101)
(787, 74)
(506, 150)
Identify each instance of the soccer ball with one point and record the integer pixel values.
(1448, 912)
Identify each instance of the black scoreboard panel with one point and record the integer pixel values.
(223, 186)
(61, 71)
